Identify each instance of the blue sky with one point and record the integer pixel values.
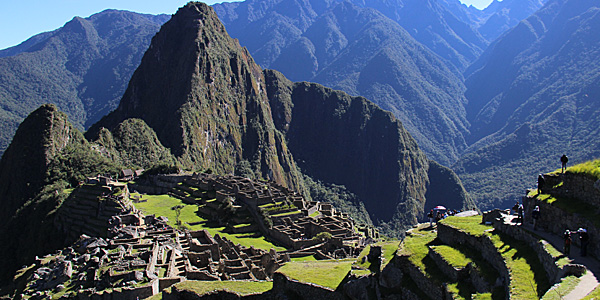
(19, 20)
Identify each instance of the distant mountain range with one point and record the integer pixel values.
(528, 95)
(532, 97)
(82, 67)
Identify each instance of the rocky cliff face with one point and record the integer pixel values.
(350, 141)
(204, 97)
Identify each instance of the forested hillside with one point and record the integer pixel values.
(82, 67)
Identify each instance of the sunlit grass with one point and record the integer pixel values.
(241, 287)
(452, 256)
(471, 225)
(327, 273)
(160, 205)
(566, 285)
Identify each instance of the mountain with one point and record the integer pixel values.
(214, 107)
(267, 27)
(362, 52)
(500, 16)
(82, 67)
(497, 18)
(46, 156)
(532, 97)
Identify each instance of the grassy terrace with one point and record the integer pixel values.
(452, 256)
(160, 205)
(327, 273)
(240, 287)
(528, 279)
(589, 168)
(566, 285)
(388, 250)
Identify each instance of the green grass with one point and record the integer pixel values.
(287, 213)
(240, 287)
(589, 168)
(453, 256)
(160, 205)
(388, 250)
(528, 280)
(327, 273)
(557, 292)
(415, 246)
(304, 258)
(316, 213)
(471, 225)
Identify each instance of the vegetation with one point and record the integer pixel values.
(454, 257)
(558, 291)
(160, 205)
(528, 279)
(327, 273)
(589, 168)
(240, 287)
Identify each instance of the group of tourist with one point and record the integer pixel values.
(584, 240)
(439, 214)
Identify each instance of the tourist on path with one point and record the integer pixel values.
(567, 239)
(584, 239)
(430, 216)
(535, 214)
(564, 160)
(520, 214)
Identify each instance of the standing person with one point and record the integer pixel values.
(567, 239)
(535, 214)
(541, 182)
(430, 216)
(564, 160)
(584, 239)
(520, 214)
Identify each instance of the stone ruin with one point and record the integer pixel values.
(143, 255)
(293, 221)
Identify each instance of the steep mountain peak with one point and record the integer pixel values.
(24, 164)
(204, 96)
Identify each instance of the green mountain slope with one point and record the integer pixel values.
(82, 67)
(362, 52)
(533, 96)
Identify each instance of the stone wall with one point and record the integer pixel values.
(553, 271)
(556, 221)
(483, 244)
(578, 186)
(423, 283)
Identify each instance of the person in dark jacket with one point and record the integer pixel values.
(564, 160)
(541, 182)
(584, 240)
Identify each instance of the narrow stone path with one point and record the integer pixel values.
(589, 281)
